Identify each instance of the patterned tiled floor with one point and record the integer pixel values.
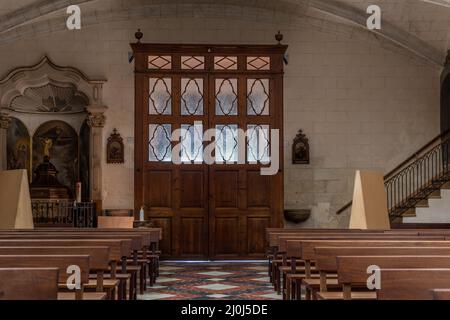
(211, 281)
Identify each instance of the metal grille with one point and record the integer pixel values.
(64, 213)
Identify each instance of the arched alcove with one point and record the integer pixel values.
(18, 146)
(61, 108)
(59, 141)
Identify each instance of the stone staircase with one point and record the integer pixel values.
(421, 178)
(435, 209)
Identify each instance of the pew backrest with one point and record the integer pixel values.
(98, 256)
(62, 262)
(136, 240)
(326, 257)
(412, 284)
(352, 270)
(118, 248)
(305, 249)
(29, 283)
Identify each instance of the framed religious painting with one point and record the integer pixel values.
(300, 149)
(115, 148)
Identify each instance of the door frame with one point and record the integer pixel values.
(141, 53)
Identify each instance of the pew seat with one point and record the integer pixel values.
(330, 295)
(109, 286)
(86, 296)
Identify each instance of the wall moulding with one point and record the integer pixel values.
(67, 84)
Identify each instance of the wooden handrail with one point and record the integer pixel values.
(411, 157)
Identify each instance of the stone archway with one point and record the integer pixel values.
(44, 92)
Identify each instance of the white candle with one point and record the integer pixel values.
(78, 191)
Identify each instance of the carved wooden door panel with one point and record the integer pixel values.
(217, 210)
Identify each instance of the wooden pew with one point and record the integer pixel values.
(118, 249)
(326, 262)
(292, 251)
(150, 240)
(274, 253)
(412, 284)
(98, 261)
(136, 245)
(352, 270)
(278, 241)
(29, 283)
(305, 250)
(62, 262)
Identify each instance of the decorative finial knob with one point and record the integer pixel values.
(279, 37)
(138, 35)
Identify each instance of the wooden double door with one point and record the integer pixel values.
(211, 202)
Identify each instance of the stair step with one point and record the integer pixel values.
(396, 220)
(410, 213)
(446, 186)
(435, 195)
(422, 204)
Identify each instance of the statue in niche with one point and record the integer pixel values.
(58, 141)
(48, 144)
(300, 149)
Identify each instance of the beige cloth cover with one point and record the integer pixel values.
(15, 202)
(369, 208)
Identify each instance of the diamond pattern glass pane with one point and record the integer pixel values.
(192, 62)
(258, 97)
(225, 63)
(159, 142)
(160, 62)
(258, 63)
(257, 143)
(192, 143)
(160, 98)
(226, 97)
(191, 96)
(226, 143)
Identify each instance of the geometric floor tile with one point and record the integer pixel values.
(217, 296)
(164, 280)
(158, 287)
(264, 279)
(272, 296)
(170, 268)
(260, 268)
(215, 279)
(216, 287)
(214, 273)
(156, 296)
(211, 281)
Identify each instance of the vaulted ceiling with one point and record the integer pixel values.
(420, 26)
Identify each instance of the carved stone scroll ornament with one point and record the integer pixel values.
(96, 120)
(300, 149)
(5, 121)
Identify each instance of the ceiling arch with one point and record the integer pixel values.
(42, 16)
